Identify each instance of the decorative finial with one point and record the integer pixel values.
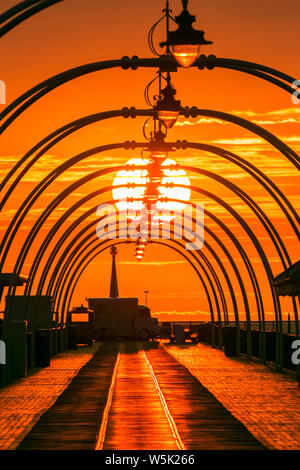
(113, 251)
(184, 4)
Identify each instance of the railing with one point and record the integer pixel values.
(288, 326)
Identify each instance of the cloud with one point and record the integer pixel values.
(240, 141)
(182, 314)
(201, 120)
(152, 263)
(275, 117)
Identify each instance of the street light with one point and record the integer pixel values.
(167, 107)
(186, 41)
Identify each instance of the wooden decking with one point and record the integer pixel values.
(134, 397)
(73, 421)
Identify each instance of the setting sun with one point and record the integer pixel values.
(139, 177)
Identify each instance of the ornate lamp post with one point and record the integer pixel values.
(167, 107)
(186, 41)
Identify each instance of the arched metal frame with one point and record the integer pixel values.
(274, 298)
(65, 259)
(86, 243)
(64, 238)
(21, 12)
(70, 289)
(64, 266)
(210, 62)
(234, 188)
(75, 159)
(75, 224)
(33, 233)
(163, 62)
(71, 251)
(70, 266)
(68, 129)
(251, 169)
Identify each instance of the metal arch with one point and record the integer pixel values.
(209, 62)
(236, 271)
(70, 292)
(25, 250)
(76, 257)
(48, 239)
(261, 215)
(60, 243)
(276, 306)
(11, 12)
(75, 185)
(26, 9)
(34, 195)
(223, 153)
(65, 265)
(136, 144)
(77, 237)
(132, 112)
(240, 281)
(47, 181)
(224, 273)
(206, 272)
(195, 144)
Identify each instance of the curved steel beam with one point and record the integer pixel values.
(234, 188)
(163, 62)
(75, 224)
(84, 251)
(59, 244)
(30, 199)
(64, 266)
(57, 225)
(47, 212)
(26, 9)
(68, 129)
(87, 261)
(269, 279)
(76, 256)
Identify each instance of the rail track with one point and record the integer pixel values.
(122, 405)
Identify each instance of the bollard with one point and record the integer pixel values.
(230, 341)
(179, 334)
(18, 357)
(42, 347)
(72, 337)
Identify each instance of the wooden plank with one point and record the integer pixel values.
(202, 421)
(73, 421)
(137, 416)
(136, 419)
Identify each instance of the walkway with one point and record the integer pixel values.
(135, 398)
(23, 402)
(266, 402)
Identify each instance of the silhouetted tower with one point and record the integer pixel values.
(114, 291)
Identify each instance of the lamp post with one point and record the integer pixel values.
(186, 41)
(167, 107)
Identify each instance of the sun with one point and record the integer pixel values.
(139, 177)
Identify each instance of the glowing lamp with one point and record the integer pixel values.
(186, 54)
(167, 107)
(168, 118)
(186, 41)
(158, 155)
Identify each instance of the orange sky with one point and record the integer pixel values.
(76, 32)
